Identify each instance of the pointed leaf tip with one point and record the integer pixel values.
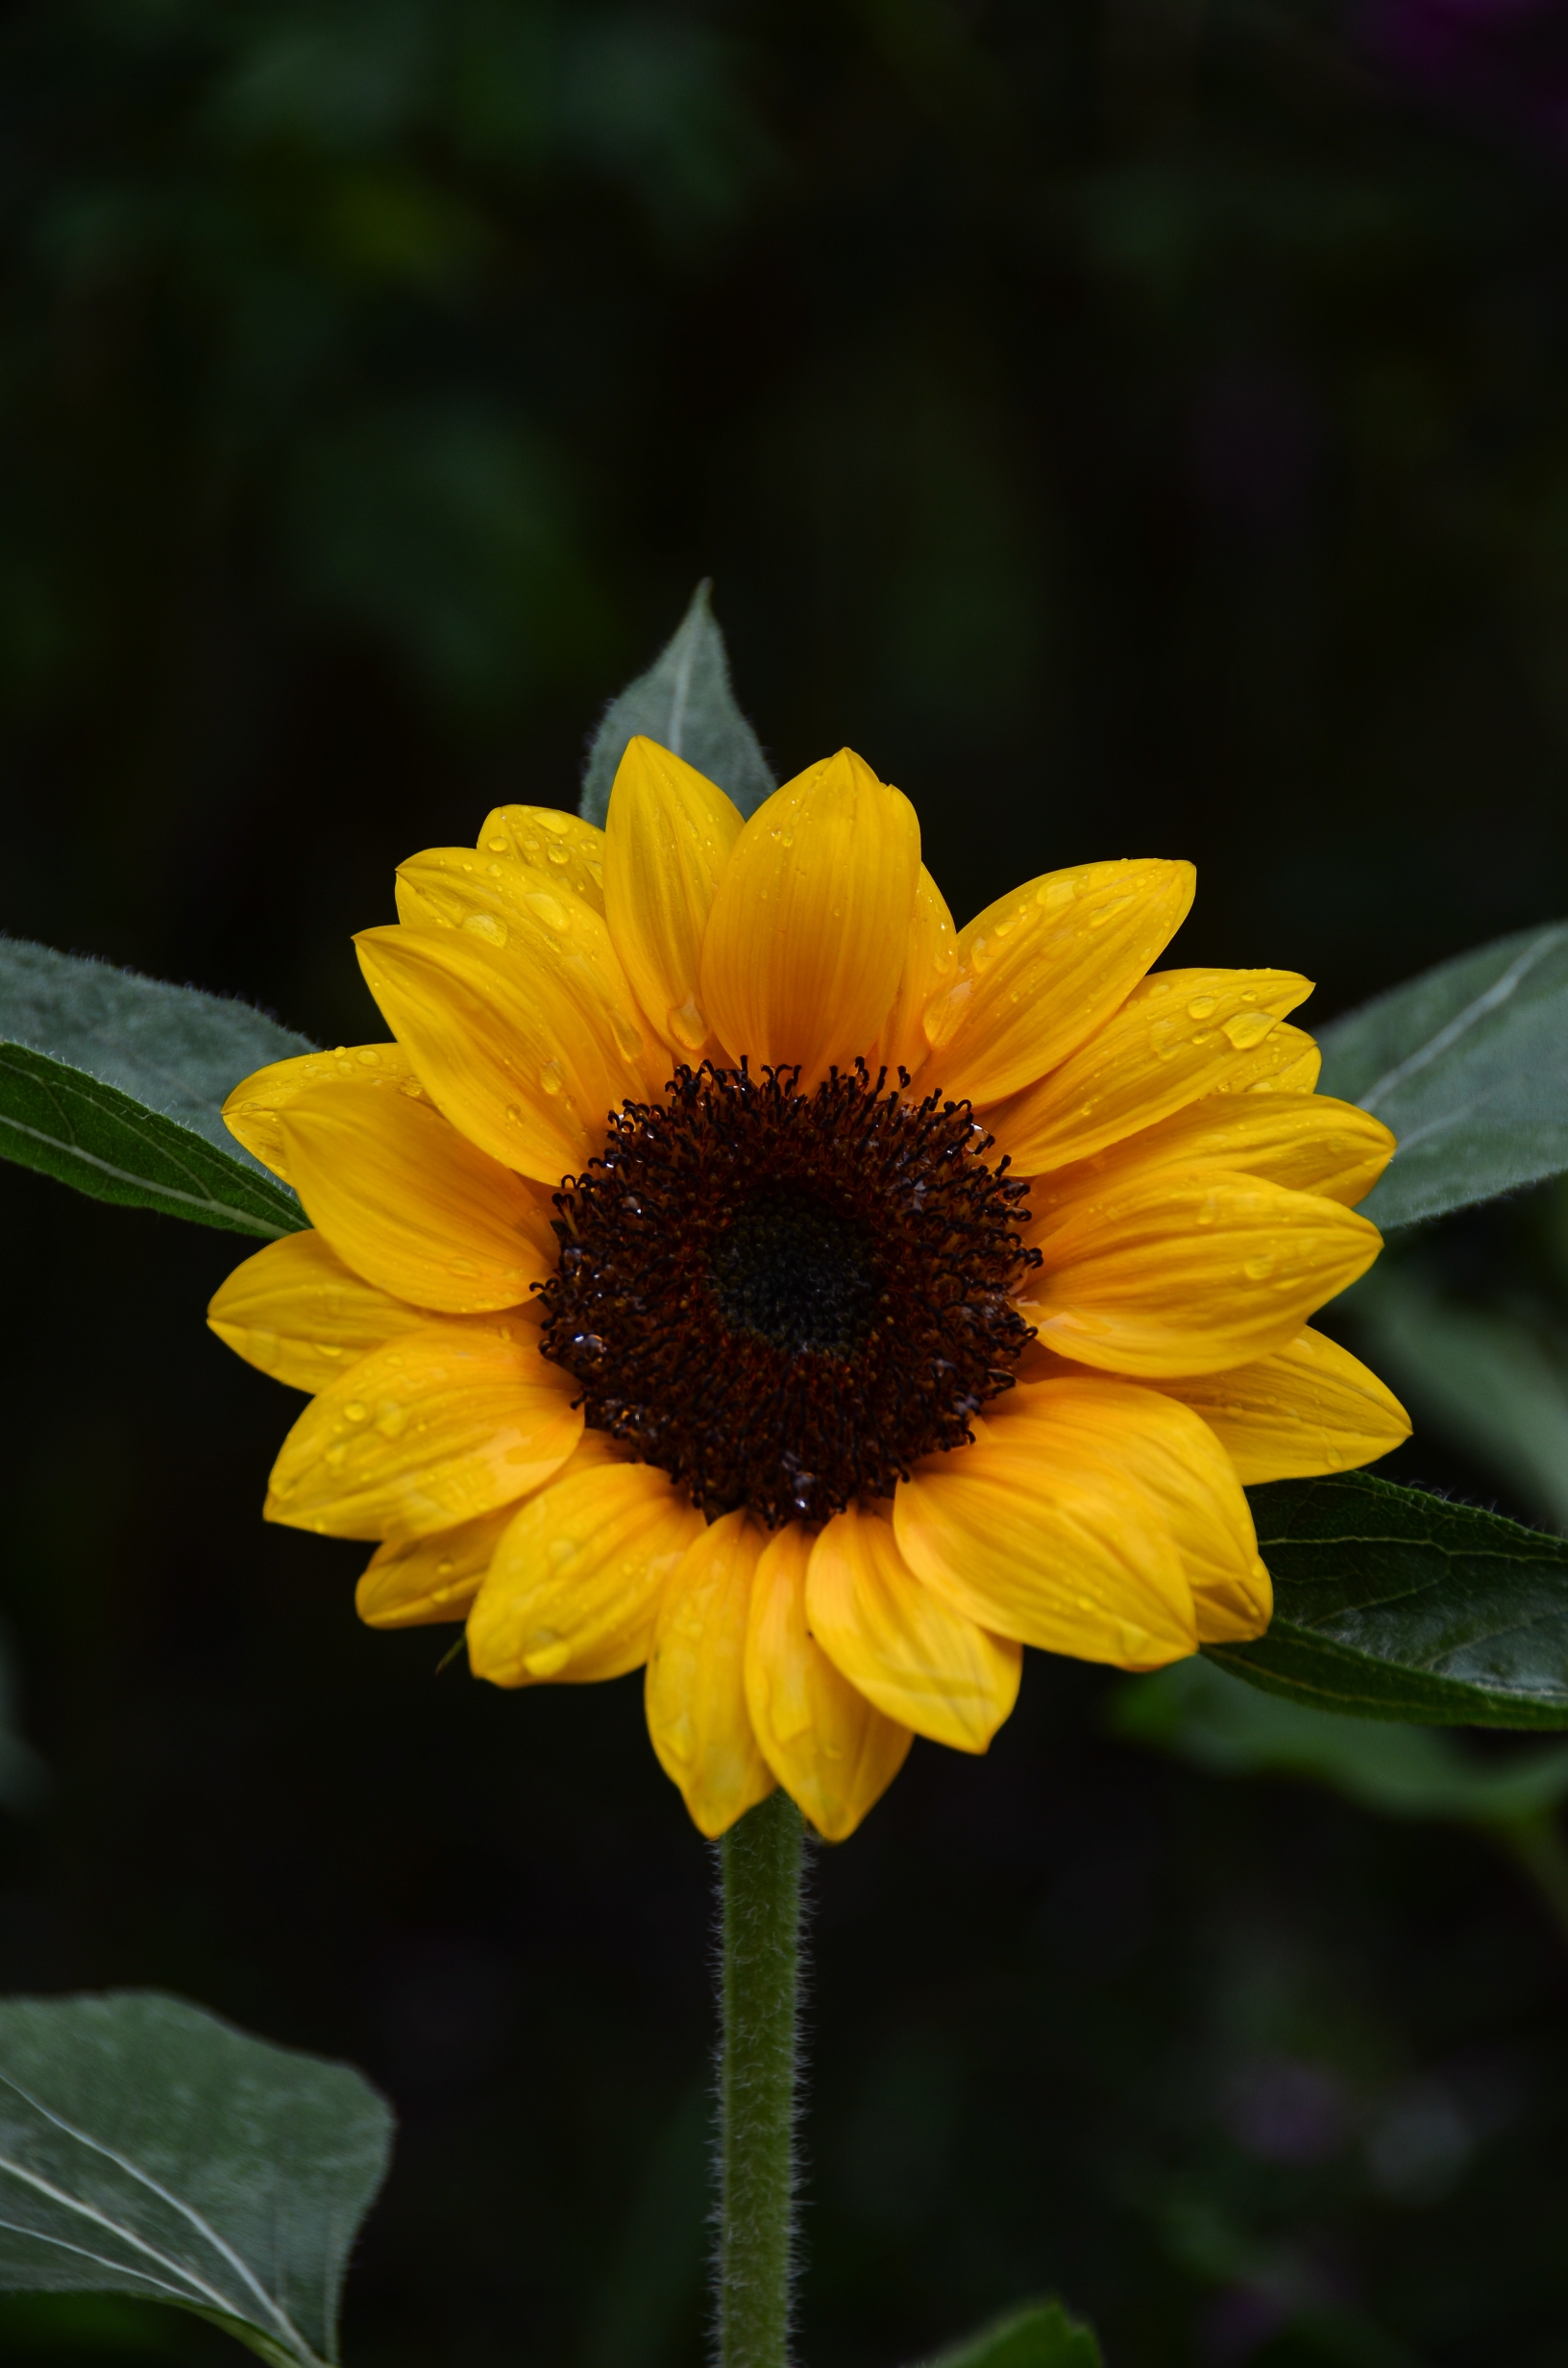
(1039, 2335)
(685, 703)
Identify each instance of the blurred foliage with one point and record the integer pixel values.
(1139, 426)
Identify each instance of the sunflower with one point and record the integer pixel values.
(732, 1269)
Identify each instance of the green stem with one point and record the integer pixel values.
(760, 1863)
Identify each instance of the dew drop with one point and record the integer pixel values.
(355, 1410)
(1258, 1269)
(545, 1657)
(551, 913)
(688, 1024)
(1246, 1028)
(558, 854)
(550, 1077)
(1201, 1006)
(497, 847)
(487, 926)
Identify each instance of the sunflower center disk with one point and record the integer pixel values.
(783, 1298)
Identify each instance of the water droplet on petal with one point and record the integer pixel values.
(1201, 1006)
(1246, 1028)
(688, 1024)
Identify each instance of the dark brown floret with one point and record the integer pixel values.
(783, 1298)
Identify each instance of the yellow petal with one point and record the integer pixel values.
(527, 1060)
(304, 1317)
(1162, 1448)
(1309, 1142)
(930, 959)
(809, 929)
(696, 1685)
(834, 1753)
(1188, 1270)
(667, 839)
(410, 1203)
(431, 1431)
(561, 846)
(1286, 1062)
(1041, 969)
(1179, 1034)
(1037, 1532)
(515, 910)
(905, 1647)
(251, 1111)
(572, 1589)
(1310, 1407)
(427, 1579)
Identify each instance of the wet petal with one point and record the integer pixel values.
(1310, 1407)
(427, 1579)
(304, 1317)
(431, 1431)
(1164, 1449)
(905, 1647)
(1180, 1034)
(834, 1753)
(668, 838)
(526, 1057)
(1188, 1270)
(930, 959)
(1037, 1533)
(1288, 1061)
(561, 846)
(411, 1204)
(809, 930)
(1041, 969)
(1308, 1142)
(251, 1111)
(696, 1686)
(572, 1589)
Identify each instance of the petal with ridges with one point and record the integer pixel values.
(1188, 1270)
(573, 1591)
(297, 1312)
(809, 929)
(1308, 1142)
(427, 1579)
(1180, 1034)
(431, 1431)
(1041, 969)
(930, 959)
(562, 846)
(831, 1749)
(694, 1689)
(1036, 1533)
(1288, 1061)
(251, 1111)
(902, 1645)
(411, 1204)
(528, 1062)
(1310, 1407)
(1175, 1457)
(667, 839)
(517, 911)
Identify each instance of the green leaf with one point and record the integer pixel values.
(1390, 1603)
(1469, 1065)
(1494, 1386)
(684, 702)
(1039, 2335)
(1199, 1713)
(148, 2149)
(115, 1084)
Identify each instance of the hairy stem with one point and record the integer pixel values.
(760, 1863)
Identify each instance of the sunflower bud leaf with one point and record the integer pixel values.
(1469, 1065)
(1390, 1602)
(684, 701)
(148, 2149)
(1039, 2335)
(115, 1083)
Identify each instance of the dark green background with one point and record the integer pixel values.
(1138, 427)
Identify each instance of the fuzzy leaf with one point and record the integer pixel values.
(684, 702)
(1469, 1065)
(1391, 1603)
(1039, 2335)
(115, 1084)
(148, 2149)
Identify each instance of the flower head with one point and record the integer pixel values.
(732, 1268)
